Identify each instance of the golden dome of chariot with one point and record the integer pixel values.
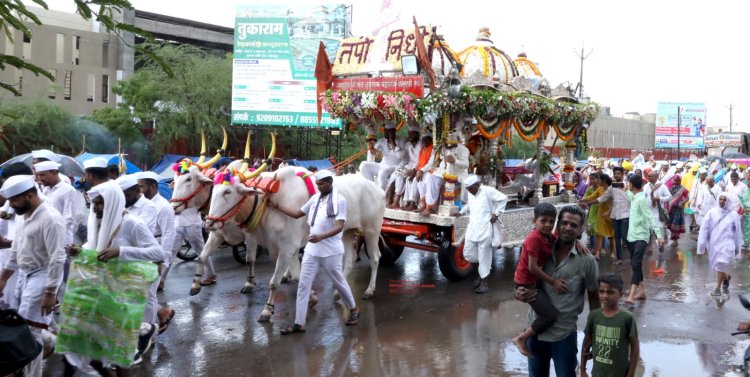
(484, 59)
(443, 58)
(526, 67)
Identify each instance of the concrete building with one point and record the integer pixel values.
(87, 61)
(82, 59)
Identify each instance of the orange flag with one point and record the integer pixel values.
(324, 75)
(422, 57)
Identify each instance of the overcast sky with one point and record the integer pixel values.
(643, 51)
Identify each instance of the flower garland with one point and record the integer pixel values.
(380, 106)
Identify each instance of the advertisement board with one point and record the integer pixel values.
(724, 139)
(692, 125)
(275, 49)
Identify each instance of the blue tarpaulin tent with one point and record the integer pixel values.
(164, 166)
(112, 159)
(320, 164)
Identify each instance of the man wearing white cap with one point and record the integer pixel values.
(733, 168)
(42, 155)
(327, 212)
(392, 149)
(404, 182)
(708, 196)
(63, 197)
(38, 254)
(96, 171)
(148, 182)
(116, 233)
(693, 198)
(484, 206)
(455, 162)
(735, 189)
(136, 203)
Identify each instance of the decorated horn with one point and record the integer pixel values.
(246, 158)
(203, 147)
(218, 154)
(266, 163)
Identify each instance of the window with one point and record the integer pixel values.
(76, 49)
(105, 88)
(60, 48)
(26, 46)
(9, 46)
(90, 88)
(52, 89)
(105, 54)
(67, 84)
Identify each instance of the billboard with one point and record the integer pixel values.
(692, 125)
(275, 49)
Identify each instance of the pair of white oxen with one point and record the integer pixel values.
(233, 205)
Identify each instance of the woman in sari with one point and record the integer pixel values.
(581, 185)
(603, 225)
(593, 210)
(676, 208)
(745, 218)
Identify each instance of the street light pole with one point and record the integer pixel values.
(679, 123)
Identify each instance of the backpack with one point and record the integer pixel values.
(18, 347)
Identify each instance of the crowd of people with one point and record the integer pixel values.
(45, 221)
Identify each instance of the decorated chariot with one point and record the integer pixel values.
(481, 94)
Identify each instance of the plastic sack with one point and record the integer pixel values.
(103, 308)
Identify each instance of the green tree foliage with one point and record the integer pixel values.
(520, 150)
(25, 126)
(14, 15)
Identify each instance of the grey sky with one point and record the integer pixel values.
(643, 51)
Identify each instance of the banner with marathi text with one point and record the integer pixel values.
(378, 54)
(275, 49)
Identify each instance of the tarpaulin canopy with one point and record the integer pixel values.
(112, 159)
(319, 164)
(164, 166)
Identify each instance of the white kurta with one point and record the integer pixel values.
(63, 197)
(38, 254)
(478, 237)
(411, 159)
(661, 193)
(721, 236)
(146, 211)
(735, 191)
(165, 228)
(394, 156)
(434, 181)
(707, 199)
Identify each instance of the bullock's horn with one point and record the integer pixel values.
(218, 154)
(246, 158)
(266, 163)
(203, 147)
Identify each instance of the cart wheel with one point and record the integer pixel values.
(389, 253)
(452, 263)
(187, 253)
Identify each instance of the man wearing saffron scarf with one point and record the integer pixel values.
(424, 166)
(454, 162)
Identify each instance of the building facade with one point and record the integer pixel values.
(82, 60)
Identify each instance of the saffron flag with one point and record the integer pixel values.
(422, 57)
(324, 75)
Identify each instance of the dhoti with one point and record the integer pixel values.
(429, 188)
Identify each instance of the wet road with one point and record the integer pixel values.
(420, 324)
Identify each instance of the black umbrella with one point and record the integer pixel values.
(722, 160)
(69, 164)
(735, 155)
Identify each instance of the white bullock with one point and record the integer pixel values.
(233, 206)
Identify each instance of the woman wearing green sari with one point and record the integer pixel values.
(592, 193)
(745, 218)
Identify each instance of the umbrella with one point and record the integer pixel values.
(70, 166)
(742, 161)
(733, 155)
(717, 158)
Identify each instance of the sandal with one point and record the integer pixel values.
(353, 318)
(295, 328)
(209, 281)
(164, 325)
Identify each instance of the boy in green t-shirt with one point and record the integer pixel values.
(613, 333)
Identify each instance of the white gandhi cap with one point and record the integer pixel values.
(46, 166)
(16, 185)
(45, 153)
(127, 181)
(149, 175)
(96, 162)
(471, 180)
(323, 174)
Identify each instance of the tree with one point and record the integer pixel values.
(14, 15)
(52, 126)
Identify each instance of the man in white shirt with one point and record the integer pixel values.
(708, 198)
(96, 171)
(38, 254)
(693, 198)
(136, 203)
(60, 195)
(42, 155)
(735, 189)
(455, 162)
(484, 206)
(115, 233)
(326, 212)
(392, 149)
(405, 184)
